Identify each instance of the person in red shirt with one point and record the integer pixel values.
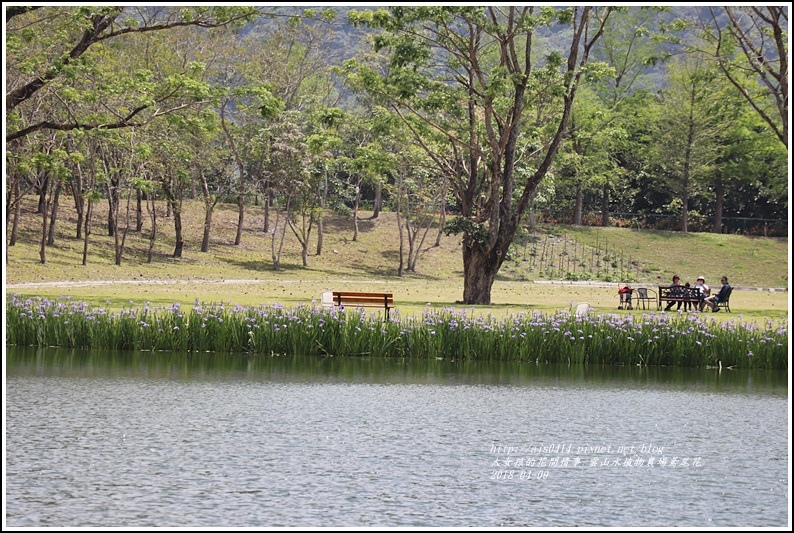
(625, 297)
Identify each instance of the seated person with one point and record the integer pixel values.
(703, 291)
(687, 305)
(721, 296)
(675, 290)
(625, 297)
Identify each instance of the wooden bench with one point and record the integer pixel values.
(384, 300)
(677, 293)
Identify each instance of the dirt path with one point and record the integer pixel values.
(99, 283)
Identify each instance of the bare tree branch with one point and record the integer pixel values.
(767, 62)
(123, 123)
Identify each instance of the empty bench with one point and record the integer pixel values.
(383, 300)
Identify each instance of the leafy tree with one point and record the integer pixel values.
(587, 158)
(285, 171)
(420, 195)
(19, 181)
(51, 170)
(170, 164)
(633, 150)
(289, 77)
(750, 170)
(120, 157)
(475, 76)
(689, 128)
(210, 165)
(91, 198)
(419, 192)
(630, 46)
(305, 210)
(369, 162)
(323, 145)
(58, 46)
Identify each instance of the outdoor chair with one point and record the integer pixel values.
(642, 296)
(724, 303)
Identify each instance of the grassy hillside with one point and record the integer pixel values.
(551, 253)
(373, 254)
(747, 261)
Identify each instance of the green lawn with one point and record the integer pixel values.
(243, 274)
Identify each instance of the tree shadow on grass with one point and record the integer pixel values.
(378, 271)
(394, 257)
(262, 266)
(460, 306)
(343, 226)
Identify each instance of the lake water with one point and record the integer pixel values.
(137, 439)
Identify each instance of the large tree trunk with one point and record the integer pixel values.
(11, 193)
(413, 252)
(205, 241)
(111, 223)
(114, 197)
(80, 216)
(443, 219)
(320, 229)
(685, 213)
(479, 273)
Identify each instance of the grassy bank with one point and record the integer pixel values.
(563, 338)
(533, 280)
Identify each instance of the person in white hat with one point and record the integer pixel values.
(703, 291)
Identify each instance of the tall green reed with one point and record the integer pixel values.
(671, 339)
